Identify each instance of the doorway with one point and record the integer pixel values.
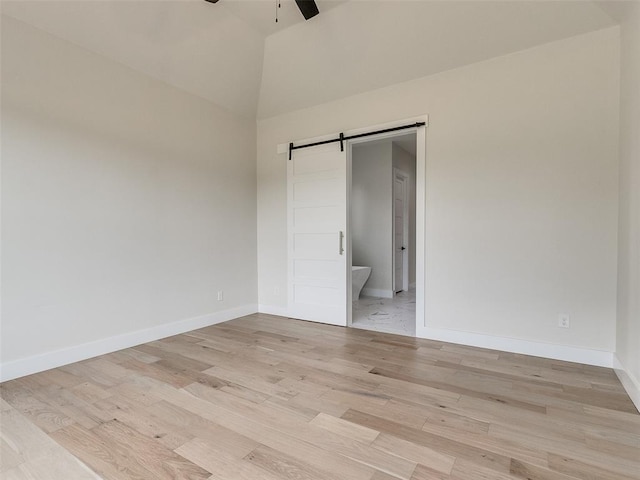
(319, 228)
(382, 223)
(400, 228)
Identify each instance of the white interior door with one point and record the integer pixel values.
(317, 222)
(400, 233)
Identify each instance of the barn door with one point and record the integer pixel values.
(317, 221)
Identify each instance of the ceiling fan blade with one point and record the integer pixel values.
(308, 8)
(211, 1)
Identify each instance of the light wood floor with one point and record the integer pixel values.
(265, 397)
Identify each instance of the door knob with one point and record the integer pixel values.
(402, 248)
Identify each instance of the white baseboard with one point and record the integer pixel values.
(278, 310)
(57, 358)
(376, 292)
(629, 382)
(526, 347)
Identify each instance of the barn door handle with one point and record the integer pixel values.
(341, 248)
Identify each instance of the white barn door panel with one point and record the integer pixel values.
(317, 223)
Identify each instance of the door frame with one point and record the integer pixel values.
(405, 231)
(421, 208)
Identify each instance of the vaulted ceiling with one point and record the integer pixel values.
(235, 55)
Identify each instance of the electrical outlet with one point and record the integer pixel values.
(563, 321)
(220, 295)
(276, 291)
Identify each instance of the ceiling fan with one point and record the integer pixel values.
(308, 8)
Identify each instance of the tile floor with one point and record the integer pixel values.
(389, 315)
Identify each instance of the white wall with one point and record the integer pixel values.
(521, 190)
(126, 204)
(371, 215)
(628, 326)
(406, 162)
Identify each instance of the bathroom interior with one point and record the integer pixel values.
(383, 255)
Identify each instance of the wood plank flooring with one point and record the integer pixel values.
(265, 397)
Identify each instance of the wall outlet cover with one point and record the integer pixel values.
(563, 321)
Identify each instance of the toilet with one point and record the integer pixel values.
(359, 276)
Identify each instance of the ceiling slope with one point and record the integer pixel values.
(260, 14)
(191, 44)
(364, 45)
(233, 54)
